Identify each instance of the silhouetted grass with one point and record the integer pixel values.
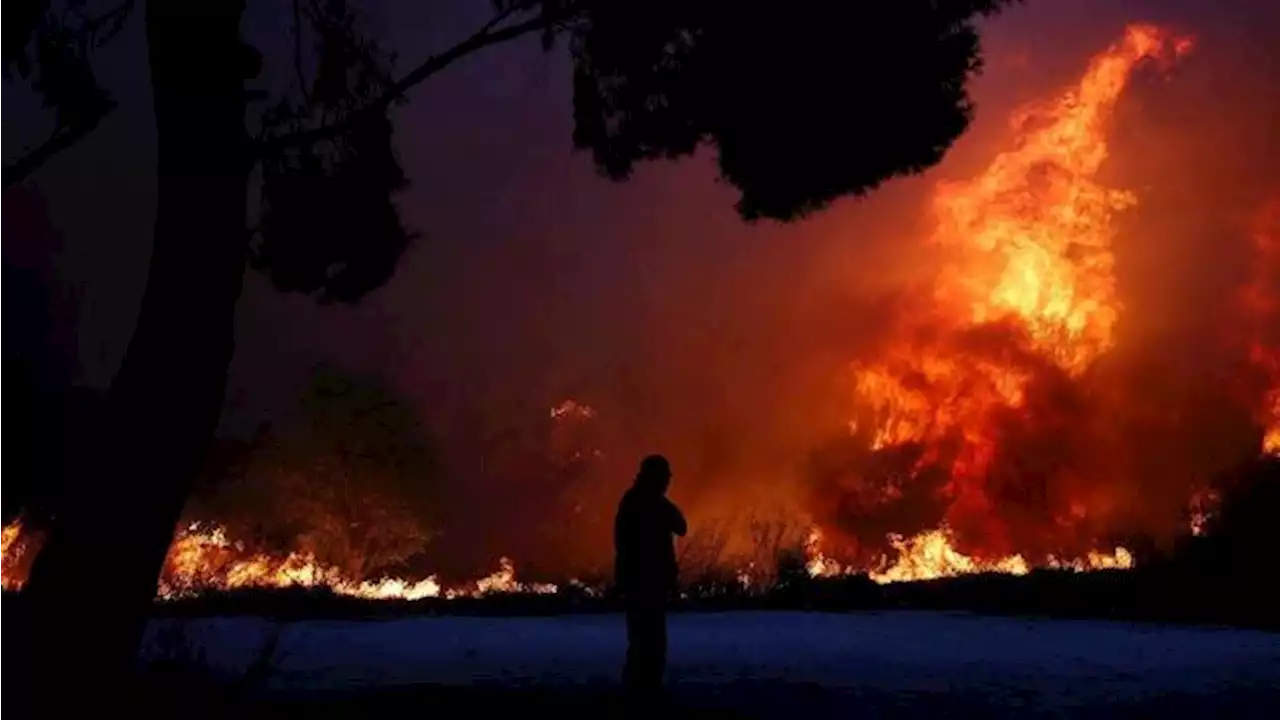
(1173, 591)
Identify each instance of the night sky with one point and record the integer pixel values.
(534, 278)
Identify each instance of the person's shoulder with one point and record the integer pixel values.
(629, 498)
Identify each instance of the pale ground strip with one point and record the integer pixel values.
(1047, 663)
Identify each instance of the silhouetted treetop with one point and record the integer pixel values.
(329, 224)
(51, 46)
(804, 102)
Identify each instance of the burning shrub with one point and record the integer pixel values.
(20, 545)
(1240, 532)
(713, 565)
(348, 483)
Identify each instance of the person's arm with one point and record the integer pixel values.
(678, 524)
(621, 548)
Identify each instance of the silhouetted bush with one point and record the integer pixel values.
(1240, 538)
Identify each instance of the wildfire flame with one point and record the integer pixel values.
(931, 555)
(12, 551)
(1029, 291)
(202, 558)
(1262, 313)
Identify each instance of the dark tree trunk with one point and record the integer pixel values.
(91, 588)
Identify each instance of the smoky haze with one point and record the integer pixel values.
(726, 346)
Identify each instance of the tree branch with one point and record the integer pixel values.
(483, 38)
(297, 51)
(60, 140)
(109, 23)
(112, 20)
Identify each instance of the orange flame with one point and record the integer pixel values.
(12, 551)
(1262, 313)
(202, 558)
(1030, 289)
(931, 555)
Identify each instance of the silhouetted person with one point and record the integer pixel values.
(645, 570)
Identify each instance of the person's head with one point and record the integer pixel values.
(654, 474)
